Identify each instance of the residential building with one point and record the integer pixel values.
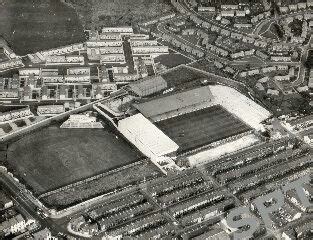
(13, 225)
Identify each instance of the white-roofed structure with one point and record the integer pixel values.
(150, 140)
(241, 106)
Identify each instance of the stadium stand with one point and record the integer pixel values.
(241, 106)
(148, 86)
(176, 104)
(150, 140)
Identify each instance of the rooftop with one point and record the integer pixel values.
(173, 102)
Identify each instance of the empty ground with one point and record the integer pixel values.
(172, 60)
(118, 12)
(34, 25)
(202, 127)
(54, 157)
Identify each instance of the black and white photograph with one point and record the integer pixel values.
(156, 119)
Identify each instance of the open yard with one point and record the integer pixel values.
(202, 127)
(52, 157)
(172, 60)
(182, 76)
(118, 12)
(29, 26)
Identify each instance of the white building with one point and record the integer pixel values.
(15, 114)
(49, 110)
(113, 58)
(104, 43)
(110, 36)
(150, 50)
(70, 59)
(150, 140)
(229, 13)
(111, 50)
(137, 43)
(78, 71)
(122, 30)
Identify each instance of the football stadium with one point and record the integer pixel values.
(192, 120)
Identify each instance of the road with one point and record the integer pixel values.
(260, 25)
(302, 67)
(31, 205)
(22, 198)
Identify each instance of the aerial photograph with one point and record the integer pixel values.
(156, 119)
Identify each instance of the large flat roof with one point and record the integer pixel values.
(170, 103)
(148, 134)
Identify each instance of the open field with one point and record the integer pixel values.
(172, 60)
(44, 24)
(202, 127)
(111, 182)
(182, 76)
(118, 12)
(52, 157)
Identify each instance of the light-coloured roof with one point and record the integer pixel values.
(169, 103)
(148, 134)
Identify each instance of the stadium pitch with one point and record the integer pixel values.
(202, 127)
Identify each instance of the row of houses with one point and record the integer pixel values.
(260, 16)
(233, 13)
(13, 225)
(65, 60)
(49, 110)
(11, 64)
(51, 75)
(263, 70)
(296, 7)
(242, 54)
(183, 46)
(15, 114)
(225, 32)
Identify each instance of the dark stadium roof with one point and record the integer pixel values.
(170, 103)
(148, 86)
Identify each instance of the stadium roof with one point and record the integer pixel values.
(148, 86)
(169, 103)
(146, 133)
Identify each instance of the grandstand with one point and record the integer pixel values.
(150, 140)
(202, 124)
(148, 86)
(168, 106)
(241, 106)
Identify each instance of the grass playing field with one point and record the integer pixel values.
(202, 127)
(54, 157)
